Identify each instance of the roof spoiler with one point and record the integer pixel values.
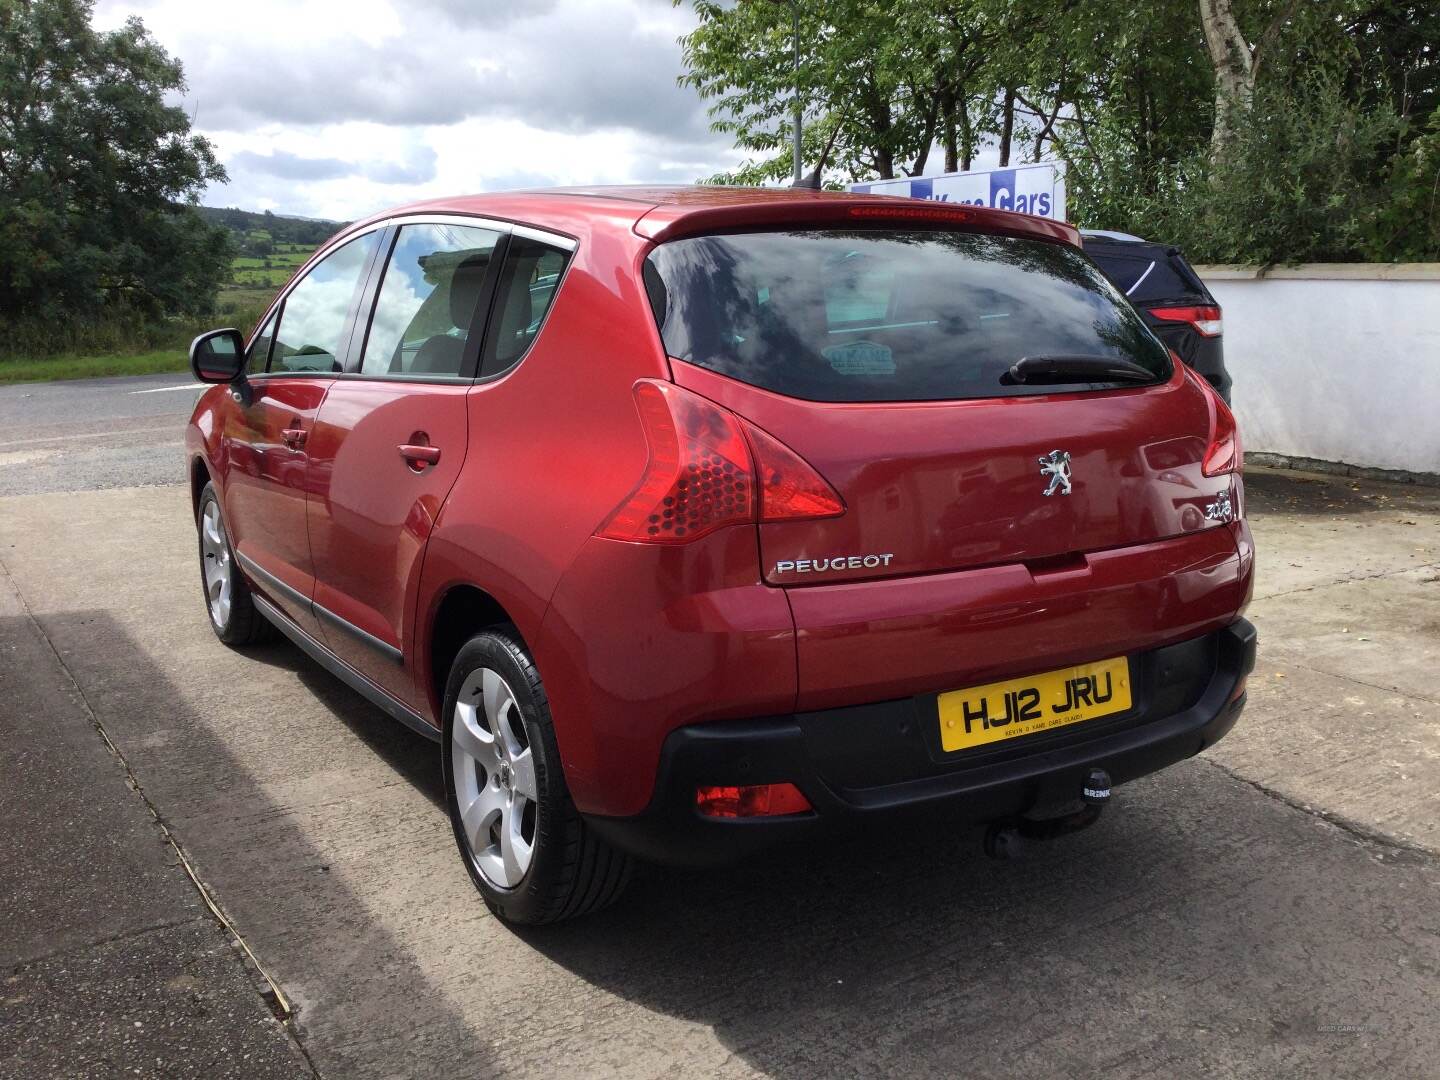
(670, 221)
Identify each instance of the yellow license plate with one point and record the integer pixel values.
(1016, 707)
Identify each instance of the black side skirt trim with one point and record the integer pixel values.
(324, 614)
(384, 648)
(271, 582)
(344, 672)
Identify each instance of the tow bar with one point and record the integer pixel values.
(1008, 839)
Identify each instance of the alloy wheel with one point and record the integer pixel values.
(494, 776)
(219, 571)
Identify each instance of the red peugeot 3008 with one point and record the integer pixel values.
(693, 520)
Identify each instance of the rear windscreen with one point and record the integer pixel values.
(881, 315)
(1150, 275)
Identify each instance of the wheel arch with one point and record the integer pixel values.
(462, 611)
(199, 477)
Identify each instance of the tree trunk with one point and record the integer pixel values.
(927, 140)
(947, 120)
(1007, 127)
(1234, 63)
(1048, 127)
(885, 163)
(884, 153)
(967, 132)
(921, 160)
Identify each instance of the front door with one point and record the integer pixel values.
(293, 363)
(389, 443)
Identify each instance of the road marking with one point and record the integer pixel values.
(167, 389)
(24, 457)
(91, 435)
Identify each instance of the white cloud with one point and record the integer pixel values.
(338, 108)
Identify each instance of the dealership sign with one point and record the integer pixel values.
(1030, 189)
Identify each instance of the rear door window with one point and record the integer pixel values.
(430, 301)
(527, 286)
(881, 315)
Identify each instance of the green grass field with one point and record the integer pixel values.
(92, 367)
(243, 303)
(267, 271)
(240, 304)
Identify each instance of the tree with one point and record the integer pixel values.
(98, 173)
(1244, 130)
(880, 83)
(884, 83)
(1118, 101)
(1236, 61)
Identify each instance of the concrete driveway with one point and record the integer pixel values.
(1270, 909)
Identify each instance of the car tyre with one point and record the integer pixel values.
(233, 615)
(525, 846)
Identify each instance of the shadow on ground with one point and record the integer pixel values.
(305, 922)
(415, 758)
(1202, 927)
(1317, 494)
(1199, 929)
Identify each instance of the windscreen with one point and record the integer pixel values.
(888, 315)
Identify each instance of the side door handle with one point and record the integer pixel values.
(294, 437)
(419, 456)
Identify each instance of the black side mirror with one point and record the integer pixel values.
(218, 357)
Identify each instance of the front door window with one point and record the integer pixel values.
(317, 311)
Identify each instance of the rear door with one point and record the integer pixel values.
(390, 440)
(883, 358)
(294, 361)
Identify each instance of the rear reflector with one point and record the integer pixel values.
(1206, 320)
(702, 472)
(751, 800)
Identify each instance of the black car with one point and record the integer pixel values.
(1170, 295)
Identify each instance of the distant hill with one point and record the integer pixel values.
(252, 229)
(269, 248)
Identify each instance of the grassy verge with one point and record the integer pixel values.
(37, 351)
(91, 367)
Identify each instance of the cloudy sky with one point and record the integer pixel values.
(336, 108)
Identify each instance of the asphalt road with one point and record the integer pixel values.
(90, 434)
(1270, 909)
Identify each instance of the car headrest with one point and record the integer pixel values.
(465, 288)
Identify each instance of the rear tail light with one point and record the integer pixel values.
(751, 800)
(1205, 320)
(790, 488)
(1223, 453)
(708, 468)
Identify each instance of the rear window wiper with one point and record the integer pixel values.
(1050, 369)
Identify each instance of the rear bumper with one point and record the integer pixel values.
(864, 763)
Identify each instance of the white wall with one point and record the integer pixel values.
(1336, 362)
